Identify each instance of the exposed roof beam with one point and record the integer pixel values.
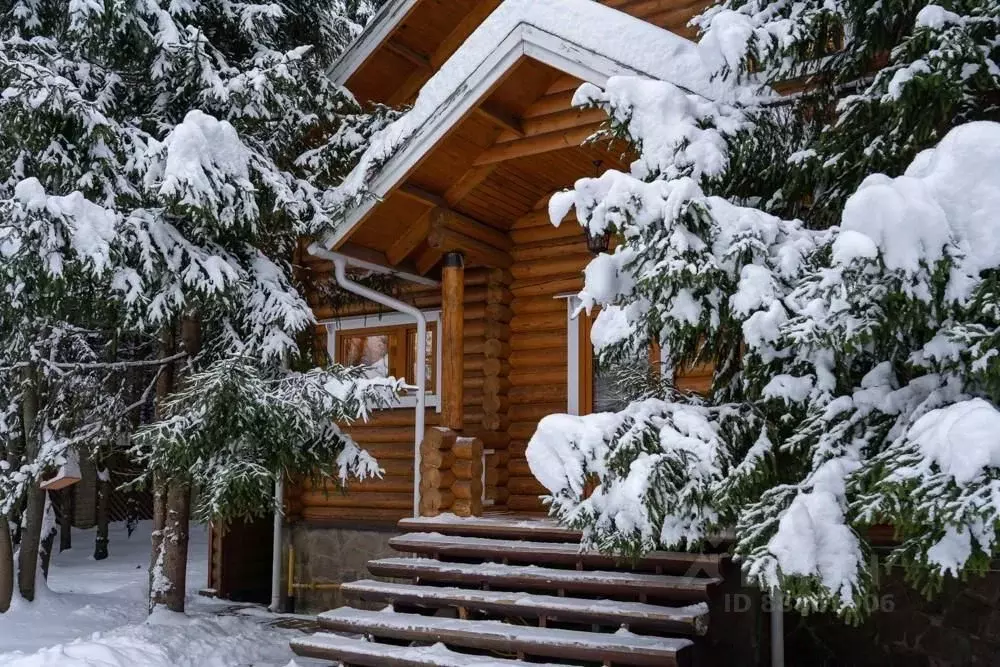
(420, 60)
(417, 193)
(542, 143)
(564, 119)
(469, 181)
(481, 244)
(501, 118)
(448, 45)
(428, 259)
(410, 240)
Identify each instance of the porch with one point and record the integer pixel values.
(512, 591)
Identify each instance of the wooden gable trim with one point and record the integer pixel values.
(390, 17)
(524, 40)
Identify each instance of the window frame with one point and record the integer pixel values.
(390, 323)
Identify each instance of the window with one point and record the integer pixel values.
(387, 346)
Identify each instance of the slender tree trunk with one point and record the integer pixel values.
(34, 512)
(165, 384)
(6, 565)
(103, 509)
(67, 505)
(48, 534)
(177, 527)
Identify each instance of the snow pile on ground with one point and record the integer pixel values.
(93, 614)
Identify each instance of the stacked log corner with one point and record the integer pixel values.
(451, 474)
(495, 423)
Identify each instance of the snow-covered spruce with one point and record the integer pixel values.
(840, 269)
(157, 164)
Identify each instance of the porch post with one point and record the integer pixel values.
(452, 343)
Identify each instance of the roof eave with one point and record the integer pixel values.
(390, 17)
(524, 40)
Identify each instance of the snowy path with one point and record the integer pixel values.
(94, 616)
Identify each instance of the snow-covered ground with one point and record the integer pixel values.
(94, 615)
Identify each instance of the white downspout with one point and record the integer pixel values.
(340, 273)
(777, 628)
(279, 497)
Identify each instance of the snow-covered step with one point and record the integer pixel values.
(621, 648)
(690, 619)
(535, 578)
(340, 649)
(507, 528)
(552, 553)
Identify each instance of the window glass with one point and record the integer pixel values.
(371, 351)
(411, 366)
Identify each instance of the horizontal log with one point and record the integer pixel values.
(519, 468)
(383, 434)
(555, 356)
(473, 397)
(552, 393)
(548, 104)
(390, 467)
(499, 495)
(541, 143)
(447, 219)
(390, 451)
(525, 504)
(548, 286)
(549, 340)
(541, 218)
(487, 329)
(535, 323)
(495, 422)
(366, 500)
(547, 251)
(534, 412)
(479, 276)
(498, 459)
(476, 251)
(544, 376)
(496, 477)
(566, 231)
(494, 440)
(494, 404)
(496, 349)
(473, 363)
(496, 368)
(567, 265)
(495, 385)
(539, 304)
(522, 431)
(384, 485)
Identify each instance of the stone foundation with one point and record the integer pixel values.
(959, 627)
(329, 555)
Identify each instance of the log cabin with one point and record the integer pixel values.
(457, 217)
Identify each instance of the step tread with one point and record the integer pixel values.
(534, 529)
(540, 577)
(526, 551)
(326, 646)
(608, 612)
(552, 642)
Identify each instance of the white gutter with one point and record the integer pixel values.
(340, 263)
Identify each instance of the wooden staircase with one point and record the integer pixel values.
(511, 593)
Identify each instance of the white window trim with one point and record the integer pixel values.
(574, 374)
(432, 398)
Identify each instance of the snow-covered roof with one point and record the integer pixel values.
(584, 39)
(388, 18)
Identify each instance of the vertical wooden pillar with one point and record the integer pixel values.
(452, 335)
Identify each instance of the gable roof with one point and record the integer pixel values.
(582, 38)
(388, 18)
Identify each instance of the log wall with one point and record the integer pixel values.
(389, 435)
(548, 261)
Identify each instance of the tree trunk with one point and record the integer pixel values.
(6, 565)
(164, 385)
(67, 504)
(170, 574)
(48, 534)
(34, 511)
(103, 509)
